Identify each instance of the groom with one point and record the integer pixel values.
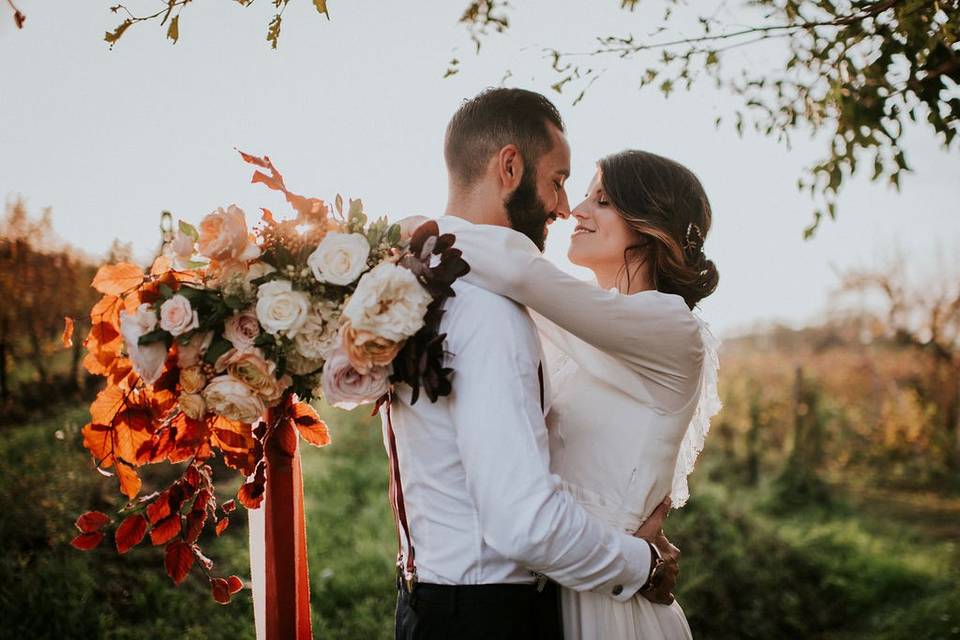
(482, 522)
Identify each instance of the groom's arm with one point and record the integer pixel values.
(523, 513)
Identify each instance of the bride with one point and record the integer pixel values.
(634, 370)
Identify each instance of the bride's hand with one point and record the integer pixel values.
(410, 224)
(661, 591)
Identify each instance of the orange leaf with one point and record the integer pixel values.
(98, 440)
(67, 332)
(222, 525)
(159, 508)
(130, 532)
(308, 423)
(234, 583)
(220, 589)
(129, 479)
(92, 521)
(87, 541)
(165, 530)
(178, 560)
(117, 279)
(260, 162)
(108, 403)
(161, 265)
(250, 494)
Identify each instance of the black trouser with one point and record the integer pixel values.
(485, 611)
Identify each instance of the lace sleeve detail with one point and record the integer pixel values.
(708, 405)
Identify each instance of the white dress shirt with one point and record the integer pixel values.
(481, 502)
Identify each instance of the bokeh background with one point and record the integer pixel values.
(827, 501)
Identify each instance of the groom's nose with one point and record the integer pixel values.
(563, 207)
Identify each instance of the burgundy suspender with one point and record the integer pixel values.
(408, 569)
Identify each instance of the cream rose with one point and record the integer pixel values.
(177, 316)
(189, 353)
(229, 397)
(192, 379)
(280, 308)
(346, 388)
(340, 258)
(318, 336)
(224, 236)
(389, 302)
(147, 360)
(241, 329)
(193, 405)
(366, 350)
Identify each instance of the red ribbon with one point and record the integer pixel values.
(287, 577)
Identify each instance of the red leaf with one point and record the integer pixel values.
(195, 522)
(87, 541)
(251, 494)
(92, 521)
(192, 477)
(222, 524)
(221, 590)
(178, 561)
(228, 506)
(165, 530)
(117, 279)
(308, 423)
(130, 532)
(159, 508)
(235, 584)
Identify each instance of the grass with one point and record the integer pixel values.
(864, 566)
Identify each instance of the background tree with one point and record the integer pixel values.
(855, 71)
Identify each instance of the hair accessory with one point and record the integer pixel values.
(693, 243)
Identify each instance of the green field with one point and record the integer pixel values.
(881, 565)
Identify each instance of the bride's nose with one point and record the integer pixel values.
(579, 212)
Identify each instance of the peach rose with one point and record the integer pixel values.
(367, 350)
(193, 405)
(177, 316)
(224, 236)
(229, 397)
(190, 352)
(192, 379)
(258, 374)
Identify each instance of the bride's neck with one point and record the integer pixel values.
(639, 279)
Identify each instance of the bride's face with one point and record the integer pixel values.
(602, 235)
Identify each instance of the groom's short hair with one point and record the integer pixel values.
(490, 121)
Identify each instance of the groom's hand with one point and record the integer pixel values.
(661, 591)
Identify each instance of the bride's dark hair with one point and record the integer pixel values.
(665, 204)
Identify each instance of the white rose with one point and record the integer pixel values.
(280, 308)
(340, 258)
(389, 302)
(318, 336)
(241, 329)
(148, 359)
(177, 316)
(228, 397)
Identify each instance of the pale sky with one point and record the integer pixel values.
(357, 105)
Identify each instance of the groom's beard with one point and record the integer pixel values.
(526, 211)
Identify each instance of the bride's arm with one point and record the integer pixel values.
(654, 333)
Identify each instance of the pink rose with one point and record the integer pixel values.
(224, 236)
(241, 329)
(346, 388)
(177, 316)
(182, 246)
(147, 360)
(189, 353)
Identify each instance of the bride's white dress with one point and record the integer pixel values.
(634, 387)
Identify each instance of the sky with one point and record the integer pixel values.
(358, 104)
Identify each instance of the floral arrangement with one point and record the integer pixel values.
(232, 333)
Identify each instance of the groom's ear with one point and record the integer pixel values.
(509, 167)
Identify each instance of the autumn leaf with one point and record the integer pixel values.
(308, 423)
(92, 521)
(250, 494)
(165, 530)
(220, 589)
(67, 332)
(130, 532)
(117, 279)
(195, 522)
(129, 478)
(106, 406)
(87, 541)
(159, 508)
(235, 584)
(178, 561)
(228, 506)
(173, 31)
(222, 525)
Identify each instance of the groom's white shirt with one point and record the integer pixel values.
(480, 500)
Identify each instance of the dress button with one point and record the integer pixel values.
(617, 590)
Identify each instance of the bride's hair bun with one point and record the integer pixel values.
(665, 203)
